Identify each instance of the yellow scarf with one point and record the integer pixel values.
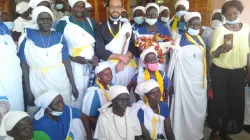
(158, 78)
(104, 90)
(175, 23)
(203, 49)
(154, 120)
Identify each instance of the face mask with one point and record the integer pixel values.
(139, 20)
(216, 23)
(150, 21)
(182, 26)
(179, 13)
(115, 19)
(193, 32)
(153, 67)
(233, 22)
(59, 6)
(163, 19)
(10, 25)
(55, 113)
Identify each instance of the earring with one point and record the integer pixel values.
(98, 78)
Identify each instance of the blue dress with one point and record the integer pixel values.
(161, 29)
(56, 130)
(34, 35)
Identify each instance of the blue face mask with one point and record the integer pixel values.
(59, 6)
(182, 26)
(180, 13)
(139, 20)
(193, 32)
(55, 113)
(10, 25)
(233, 22)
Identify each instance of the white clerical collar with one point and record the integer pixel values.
(115, 21)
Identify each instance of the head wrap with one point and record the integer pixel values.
(152, 5)
(190, 15)
(73, 2)
(101, 66)
(9, 121)
(162, 8)
(44, 101)
(145, 86)
(146, 51)
(139, 8)
(216, 11)
(22, 7)
(88, 5)
(116, 90)
(38, 10)
(185, 3)
(33, 3)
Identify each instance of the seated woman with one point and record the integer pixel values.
(16, 125)
(152, 26)
(98, 95)
(152, 113)
(58, 120)
(149, 58)
(44, 58)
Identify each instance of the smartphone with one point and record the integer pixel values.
(228, 40)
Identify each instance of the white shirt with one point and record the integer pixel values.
(108, 124)
(19, 24)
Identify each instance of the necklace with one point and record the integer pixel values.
(47, 43)
(117, 129)
(238, 28)
(111, 30)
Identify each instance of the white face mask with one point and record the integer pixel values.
(163, 19)
(216, 23)
(180, 13)
(232, 22)
(193, 32)
(115, 19)
(150, 21)
(55, 113)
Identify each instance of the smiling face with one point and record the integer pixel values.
(231, 13)
(115, 8)
(23, 130)
(78, 9)
(44, 21)
(105, 76)
(121, 102)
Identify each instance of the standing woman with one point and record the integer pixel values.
(138, 16)
(188, 109)
(230, 53)
(45, 60)
(164, 16)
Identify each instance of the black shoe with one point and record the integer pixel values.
(225, 136)
(246, 128)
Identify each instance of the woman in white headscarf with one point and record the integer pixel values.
(138, 16)
(164, 16)
(22, 9)
(188, 108)
(44, 59)
(153, 114)
(16, 125)
(98, 95)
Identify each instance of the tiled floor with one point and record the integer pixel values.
(242, 136)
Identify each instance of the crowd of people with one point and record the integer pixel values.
(65, 77)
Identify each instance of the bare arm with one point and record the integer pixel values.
(93, 120)
(86, 123)
(68, 68)
(145, 133)
(28, 96)
(168, 129)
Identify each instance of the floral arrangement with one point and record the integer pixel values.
(146, 42)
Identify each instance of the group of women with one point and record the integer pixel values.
(218, 60)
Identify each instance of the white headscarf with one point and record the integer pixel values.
(101, 66)
(88, 5)
(185, 3)
(73, 2)
(38, 10)
(146, 86)
(139, 8)
(216, 11)
(44, 101)
(9, 121)
(152, 5)
(162, 8)
(116, 90)
(145, 52)
(22, 7)
(190, 15)
(33, 3)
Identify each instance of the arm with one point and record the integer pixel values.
(168, 129)
(145, 133)
(86, 123)
(70, 76)
(93, 120)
